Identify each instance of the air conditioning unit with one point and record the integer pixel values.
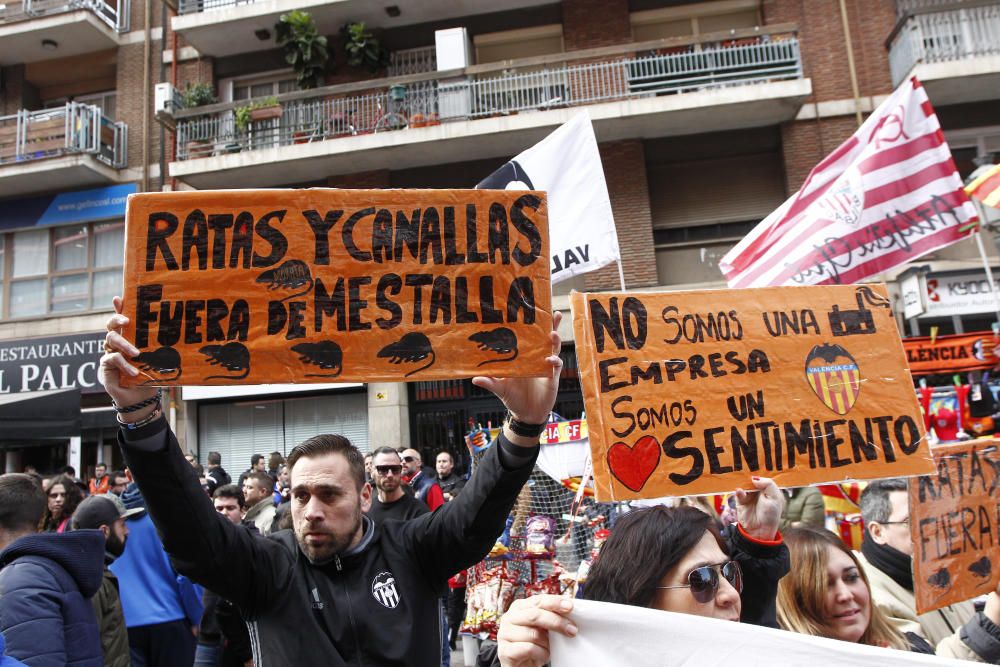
(165, 98)
(454, 51)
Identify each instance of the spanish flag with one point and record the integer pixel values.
(986, 188)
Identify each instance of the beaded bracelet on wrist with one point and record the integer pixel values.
(151, 417)
(135, 407)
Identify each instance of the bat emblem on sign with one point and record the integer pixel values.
(834, 377)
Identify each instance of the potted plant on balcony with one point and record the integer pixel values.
(363, 48)
(265, 109)
(198, 95)
(305, 49)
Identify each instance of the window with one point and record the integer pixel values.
(62, 270)
(523, 43)
(108, 102)
(698, 19)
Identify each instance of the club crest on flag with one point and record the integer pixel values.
(846, 200)
(834, 377)
(384, 590)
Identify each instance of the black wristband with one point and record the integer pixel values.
(135, 407)
(524, 429)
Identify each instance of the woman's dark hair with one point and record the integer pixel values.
(74, 496)
(642, 548)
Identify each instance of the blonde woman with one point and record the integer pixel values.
(827, 594)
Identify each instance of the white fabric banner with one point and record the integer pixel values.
(567, 165)
(613, 634)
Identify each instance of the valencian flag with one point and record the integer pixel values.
(887, 195)
(986, 188)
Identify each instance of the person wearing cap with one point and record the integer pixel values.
(107, 514)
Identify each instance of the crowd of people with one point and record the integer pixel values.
(335, 557)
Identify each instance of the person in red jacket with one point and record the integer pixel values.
(100, 483)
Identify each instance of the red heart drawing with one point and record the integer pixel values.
(633, 465)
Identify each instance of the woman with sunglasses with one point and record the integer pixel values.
(827, 594)
(690, 567)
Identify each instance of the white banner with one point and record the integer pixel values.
(567, 165)
(612, 634)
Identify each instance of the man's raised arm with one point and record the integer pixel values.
(461, 532)
(203, 545)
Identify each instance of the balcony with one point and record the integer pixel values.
(751, 78)
(53, 149)
(226, 27)
(954, 49)
(36, 30)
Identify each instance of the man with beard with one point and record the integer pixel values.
(390, 501)
(107, 514)
(338, 589)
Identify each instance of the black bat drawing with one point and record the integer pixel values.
(501, 340)
(326, 354)
(291, 274)
(162, 360)
(231, 356)
(409, 348)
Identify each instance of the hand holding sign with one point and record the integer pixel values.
(759, 512)
(523, 640)
(113, 363)
(530, 400)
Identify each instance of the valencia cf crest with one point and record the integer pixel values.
(834, 377)
(384, 590)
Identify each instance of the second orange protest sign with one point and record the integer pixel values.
(955, 525)
(693, 392)
(264, 286)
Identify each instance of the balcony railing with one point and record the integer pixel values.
(930, 34)
(676, 66)
(68, 130)
(115, 15)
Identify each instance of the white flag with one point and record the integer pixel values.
(567, 165)
(614, 634)
(887, 195)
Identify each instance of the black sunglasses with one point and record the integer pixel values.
(704, 581)
(385, 470)
(409, 459)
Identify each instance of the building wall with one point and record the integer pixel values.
(625, 172)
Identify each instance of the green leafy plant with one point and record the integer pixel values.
(363, 48)
(305, 49)
(242, 115)
(197, 95)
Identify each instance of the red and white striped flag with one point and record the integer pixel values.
(887, 195)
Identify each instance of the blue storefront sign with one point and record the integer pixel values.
(67, 207)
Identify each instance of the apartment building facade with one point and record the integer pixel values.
(708, 115)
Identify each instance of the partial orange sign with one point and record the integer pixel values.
(955, 525)
(269, 286)
(951, 354)
(694, 392)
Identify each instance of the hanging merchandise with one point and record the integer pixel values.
(981, 400)
(945, 424)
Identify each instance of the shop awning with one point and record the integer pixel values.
(40, 414)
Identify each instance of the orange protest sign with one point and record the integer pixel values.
(951, 354)
(265, 286)
(693, 392)
(954, 523)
